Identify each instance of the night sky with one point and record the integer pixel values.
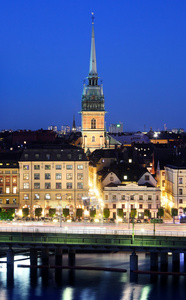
(44, 58)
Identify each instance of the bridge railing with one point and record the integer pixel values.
(92, 231)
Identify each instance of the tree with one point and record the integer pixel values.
(106, 213)
(79, 212)
(7, 214)
(184, 210)
(147, 213)
(174, 213)
(92, 213)
(65, 212)
(38, 212)
(25, 212)
(133, 213)
(160, 212)
(52, 212)
(120, 213)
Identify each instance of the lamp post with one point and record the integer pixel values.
(60, 211)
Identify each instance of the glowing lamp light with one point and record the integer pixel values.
(55, 221)
(96, 221)
(68, 221)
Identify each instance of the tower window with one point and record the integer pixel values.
(93, 124)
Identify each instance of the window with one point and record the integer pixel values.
(1, 201)
(36, 185)
(180, 201)
(114, 206)
(140, 197)
(125, 177)
(26, 185)
(180, 192)
(69, 156)
(111, 178)
(14, 172)
(47, 176)
(149, 206)
(180, 180)
(14, 189)
(1, 190)
(7, 172)
(47, 156)
(14, 201)
(93, 124)
(93, 139)
(58, 176)
(69, 197)
(25, 197)
(36, 176)
(80, 167)
(7, 190)
(163, 173)
(113, 197)
(157, 198)
(69, 167)
(14, 180)
(80, 185)
(58, 156)
(80, 176)
(25, 167)
(58, 185)
(36, 196)
(47, 167)
(149, 197)
(58, 196)
(80, 156)
(36, 167)
(47, 185)
(25, 176)
(123, 206)
(7, 201)
(36, 156)
(47, 196)
(163, 183)
(1, 179)
(69, 176)
(58, 167)
(7, 180)
(79, 196)
(132, 197)
(69, 185)
(106, 197)
(122, 197)
(140, 206)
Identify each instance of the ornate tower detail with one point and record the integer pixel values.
(93, 105)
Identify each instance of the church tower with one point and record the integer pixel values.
(93, 106)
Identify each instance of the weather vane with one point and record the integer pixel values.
(92, 17)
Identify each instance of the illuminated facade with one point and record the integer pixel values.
(53, 177)
(93, 107)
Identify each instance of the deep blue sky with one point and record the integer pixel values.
(44, 58)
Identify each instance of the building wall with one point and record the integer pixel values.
(9, 187)
(59, 183)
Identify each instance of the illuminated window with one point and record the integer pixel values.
(14, 180)
(7, 180)
(125, 177)
(80, 156)
(58, 176)
(69, 197)
(69, 176)
(80, 167)
(47, 196)
(25, 185)
(79, 196)
(80, 176)
(1, 179)
(58, 196)
(14, 201)
(7, 190)
(93, 139)
(25, 176)
(25, 197)
(93, 124)
(14, 189)
(36, 196)
(25, 167)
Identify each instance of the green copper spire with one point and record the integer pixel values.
(93, 66)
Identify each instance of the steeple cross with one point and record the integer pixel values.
(92, 18)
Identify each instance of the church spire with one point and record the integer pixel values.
(93, 66)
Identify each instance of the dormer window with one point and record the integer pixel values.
(125, 177)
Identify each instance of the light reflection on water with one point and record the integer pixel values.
(90, 285)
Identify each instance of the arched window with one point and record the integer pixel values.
(93, 124)
(93, 139)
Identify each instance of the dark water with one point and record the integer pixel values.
(91, 285)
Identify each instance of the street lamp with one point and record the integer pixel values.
(60, 211)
